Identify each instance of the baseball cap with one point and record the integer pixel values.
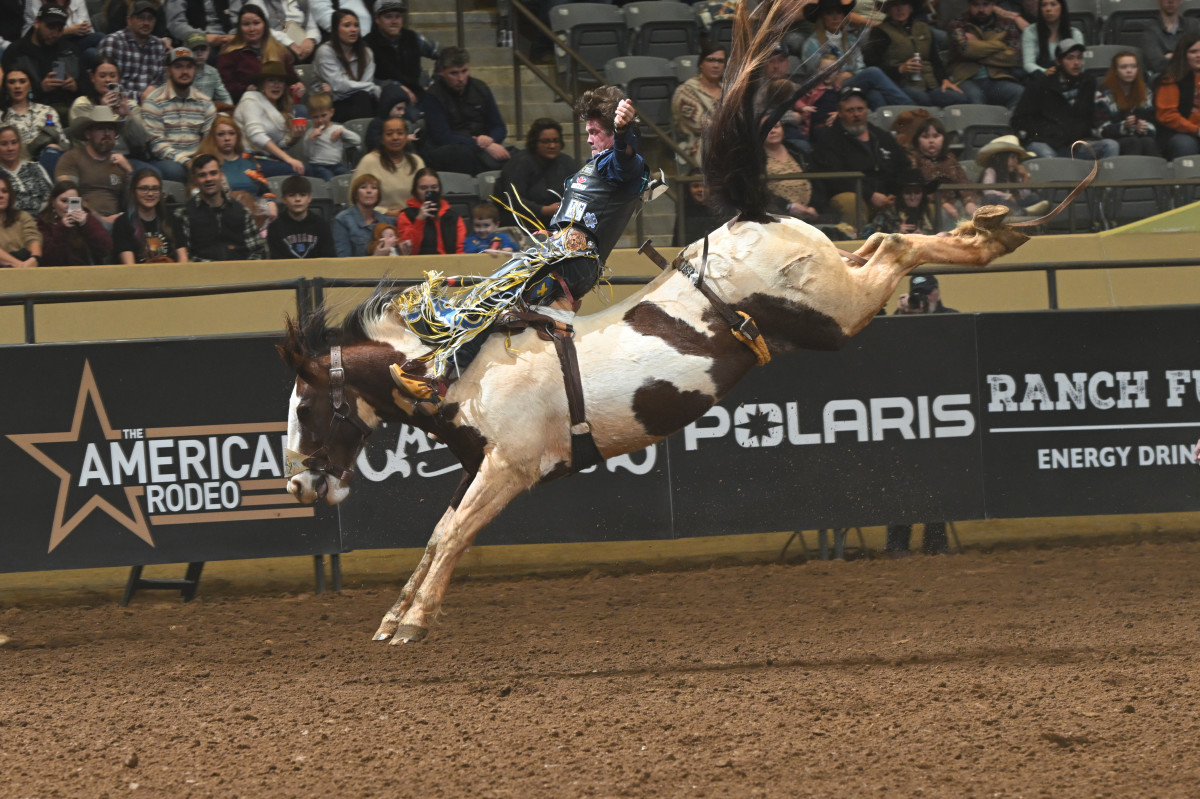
(52, 14)
(384, 6)
(180, 54)
(851, 91)
(142, 5)
(1067, 45)
(195, 39)
(922, 283)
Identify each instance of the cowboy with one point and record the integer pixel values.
(550, 278)
(101, 174)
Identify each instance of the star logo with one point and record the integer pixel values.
(36, 444)
(759, 426)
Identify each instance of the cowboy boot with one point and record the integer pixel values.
(421, 392)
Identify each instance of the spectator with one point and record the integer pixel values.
(253, 46)
(347, 66)
(1161, 37)
(294, 27)
(38, 125)
(1059, 109)
(266, 118)
(904, 48)
(930, 154)
(915, 210)
(852, 144)
(463, 123)
(71, 234)
(20, 241)
(485, 221)
(299, 233)
(354, 227)
(794, 195)
(429, 224)
(78, 31)
(29, 181)
(1175, 105)
(175, 117)
(1125, 109)
(816, 109)
(101, 175)
(50, 61)
(139, 55)
(397, 49)
(97, 94)
(985, 54)
(1001, 161)
(393, 103)
(393, 164)
(216, 19)
(322, 13)
(1038, 41)
(534, 177)
(384, 242)
(146, 233)
(694, 100)
(243, 174)
(698, 219)
(834, 36)
(208, 80)
(214, 227)
(325, 144)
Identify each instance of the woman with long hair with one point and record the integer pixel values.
(930, 154)
(696, 97)
(429, 224)
(1125, 109)
(20, 241)
(354, 228)
(393, 164)
(29, 180)
(346, 64)
(145, 234)
(1175, 105)
(243, 171)
(71, 234)
(793, 196)
(104, 89)
(533, 178)
(1039, 39)
(38, 125)
(265, 117)
(253, 46)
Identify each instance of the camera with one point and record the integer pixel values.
(112, 87)
(432, 195)
(918, 301)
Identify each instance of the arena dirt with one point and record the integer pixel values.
(1060, 673)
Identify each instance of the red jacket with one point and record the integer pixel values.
(1175, 109)
(450, 234)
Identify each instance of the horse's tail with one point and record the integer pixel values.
(734, 162)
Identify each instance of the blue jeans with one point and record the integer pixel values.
(273, 169)
(326, 171)
(1182, 144)
(993, 92)
(1095, 150)
(169, 170)
(879, 88)
(937, 97)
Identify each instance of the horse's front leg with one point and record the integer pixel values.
(491, 491)
(391, 619)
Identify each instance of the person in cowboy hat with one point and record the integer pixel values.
(1059, 109)
(176, 117)
(101, 174)
(834, 35)
(1001, 161)
(265, 117)
(904, 48)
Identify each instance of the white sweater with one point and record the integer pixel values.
(261, 122)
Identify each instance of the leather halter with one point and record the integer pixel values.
(319, 461)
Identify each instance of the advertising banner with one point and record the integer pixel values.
(1090, 412)
(149, 452)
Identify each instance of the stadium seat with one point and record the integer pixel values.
(650, 83)
(685, 66)
(461, 191)
(1124, 20)
(1183, 168)
(1087, 21)
(885, 115)
(1097, 58)
(661, 28)
(1080, 216)
(486, 182)
(339, 190)
(721, 32)
(971, 126)
(174, 191)
(596, 31)
(306, 73)
(1124, 204)
(974, 137)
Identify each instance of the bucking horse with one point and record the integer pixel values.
(756, 287)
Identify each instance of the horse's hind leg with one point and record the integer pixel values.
(493, 488)
(391, 619)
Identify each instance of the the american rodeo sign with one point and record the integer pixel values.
(149, 452)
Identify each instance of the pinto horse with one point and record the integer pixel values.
(649, 365)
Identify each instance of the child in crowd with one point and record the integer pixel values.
(386, 242)
(325, 144)
(297, 233)
(488, 236)
(818, 107)
(1001, 161)
(207, 79)
(913, 211)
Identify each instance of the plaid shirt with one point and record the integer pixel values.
(140, 65)
(175, 125)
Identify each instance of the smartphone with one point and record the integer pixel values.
(114, 87)
(432, 196)
(74, 204)
(58, 70)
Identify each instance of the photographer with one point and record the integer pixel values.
(923, 297)
(71, 234)
(429, 224)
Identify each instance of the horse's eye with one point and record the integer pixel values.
(303, 412)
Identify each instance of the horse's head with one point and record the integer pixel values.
(326, 424)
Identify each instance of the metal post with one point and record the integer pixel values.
(30, 338)
(1052, 288)
(459, 11)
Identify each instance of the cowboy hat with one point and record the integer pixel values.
(1002, 144)
(815, 10)
(99, 115)
(272, 70)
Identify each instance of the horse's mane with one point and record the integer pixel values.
(734, 162)
(316, 335)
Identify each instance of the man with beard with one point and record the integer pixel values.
(50, 60)
(101, 175)
(176, 117)
(213, 226)
(137, 52)
(1059, 109)
(985, 55)
(852, 144)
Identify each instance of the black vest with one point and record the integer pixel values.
(197, 17)
(448, 224)
(469, 113)
(593, 204)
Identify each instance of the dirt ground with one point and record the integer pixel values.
(1024, 672)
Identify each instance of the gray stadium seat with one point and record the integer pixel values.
(596, 31)
(661, 28)
(487, 183)
(1182, 168)
(885, 115)
(1079, 217)
(650, 83)
(721, 32)
(461, 191)
(1124, 20)
(174, 191)
(1123, 204)
(685, 66)
(339, 189)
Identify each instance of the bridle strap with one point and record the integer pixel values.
(342, 412)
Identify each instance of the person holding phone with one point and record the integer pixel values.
(71, 234)
(429, 224)
(52, 61)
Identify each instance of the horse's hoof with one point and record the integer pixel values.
(990, 217)
(408, 634)
(381, 636)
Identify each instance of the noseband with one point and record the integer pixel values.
(319, 461)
